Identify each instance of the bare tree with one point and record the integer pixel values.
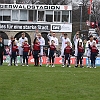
(76, 11)
(51, 2)
(95, 14)
(96, 11)
(10, 1)
(5, 1)
(47, 2)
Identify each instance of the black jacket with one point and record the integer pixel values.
(1, 48)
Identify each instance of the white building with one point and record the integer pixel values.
(16, 18)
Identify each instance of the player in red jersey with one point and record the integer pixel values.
(52, 53)
(14, 52)
(26, 51)
(94, 53)
(67, 53)
(80, 54)
(36, 51)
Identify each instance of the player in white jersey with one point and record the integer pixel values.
(76, 40)
(52, 36)
(10, 46)
(42, 43)
(22, 39)
(64, 39)
(88, 51)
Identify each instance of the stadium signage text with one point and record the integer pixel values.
(11, 26)
(61, 27)
(28, 6)
(56, 27)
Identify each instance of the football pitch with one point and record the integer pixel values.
(44, 83)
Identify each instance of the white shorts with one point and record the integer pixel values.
(88, 53)
(41, 50)
(48, 51)
(76, 52)
(20, 51)
(62, 52)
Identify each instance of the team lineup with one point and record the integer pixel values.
(24, 50)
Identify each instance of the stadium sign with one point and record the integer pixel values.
(56, 27)
(32, 27)
(14, 26)
(35, 7)
(67, 27)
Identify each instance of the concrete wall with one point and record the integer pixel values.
(31, 34)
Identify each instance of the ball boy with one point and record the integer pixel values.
(52, 51)
(26, 51)
(67, 53)
(80, 54)
(14, 53)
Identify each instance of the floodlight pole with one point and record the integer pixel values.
(80, 5)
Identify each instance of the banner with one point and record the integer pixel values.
(35, 7)
(66, 27)
(16, 26)
(97, 62)
(58, 60)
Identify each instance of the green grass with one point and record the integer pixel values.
(44, 83)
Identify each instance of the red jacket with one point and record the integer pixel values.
(52, 47)
(96, 41)
(68, 50)
(14, 48)
(80, 49)
(94, 49)
(36, 47)
(26, 47)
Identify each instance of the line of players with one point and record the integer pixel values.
(23, 49)
(67, 50)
